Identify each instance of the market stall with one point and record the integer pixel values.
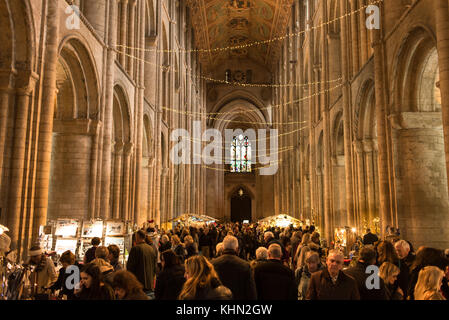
(191, 219)
(282, 221)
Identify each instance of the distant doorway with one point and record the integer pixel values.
(240, 206)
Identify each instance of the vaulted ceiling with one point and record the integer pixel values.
(228, 23)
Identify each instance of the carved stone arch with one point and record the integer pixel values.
(17, 38)
(150, 21)
(365, 117)
(412, 53)
(147, 145)
(121, 115)
(245, 97)
(76, 61)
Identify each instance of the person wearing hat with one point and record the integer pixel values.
(44, 274)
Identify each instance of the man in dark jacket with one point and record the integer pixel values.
(369, 238)
(404, 253)
(90, 253)
(234, 272)
(274, 281)
(142, 262)
(332, 283)
(359, 273)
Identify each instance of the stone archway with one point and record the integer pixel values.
(241, 206)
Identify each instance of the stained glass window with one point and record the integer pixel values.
(241, 154)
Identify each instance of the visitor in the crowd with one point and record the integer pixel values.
(332, 283)
(191, 246)
(389, 273)
(425, 256)
(295, 241)
(142, 263)
(219, 249)
(213, 236)
(107, 271)
(178, 248)
(306, 245)
(92, 286)
(205, 242)
(127, 287)
(113, 257)
(445, 281)
(234, 272)
(429, 284)
(67, 259)
(369, 238)
(387, 253)
(404, 253)
(261, 257)
(90, 253)
(275, 281)
(360, 272)
(44, 274)
(164, 244)
(170, 280)
(102, 252)
(303, 274)
(202, 281)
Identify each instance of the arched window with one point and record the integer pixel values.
(241, 154)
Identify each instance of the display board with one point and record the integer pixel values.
(92, 229)
(63, 245)
(118, 241)
(114, 228)
(66, 228)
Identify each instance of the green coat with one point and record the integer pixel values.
(142, 263)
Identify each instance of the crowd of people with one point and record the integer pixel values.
(247, 262)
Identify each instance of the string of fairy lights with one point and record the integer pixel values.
(219, 115)
(259, 42)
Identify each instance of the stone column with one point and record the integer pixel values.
(363, 35)
(368, 148)
(328, 221)
(358, 146)
(384, 185)
(123, 32)
(131, 43)
(423, 201)
(105, 211)
(127, 151)
(93, 170)
(347, 115)
(5, 94)
(442, 33)
(46, 117)
(95, 12)
(158, 160)
(118, 155)
(355, 40)
(17, 165)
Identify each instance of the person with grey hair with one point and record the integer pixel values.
(303, 274)
(405, 253)
(261, 254)
(274, 281)
(234, 272)
(332, 283)
(219, 249)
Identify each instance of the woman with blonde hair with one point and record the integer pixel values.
(388, 272)
(306, 239)
(429, 284)
(191, 246)
(202, 281)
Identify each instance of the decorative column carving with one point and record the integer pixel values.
(118, 155)
(127, 151)
(123, 31)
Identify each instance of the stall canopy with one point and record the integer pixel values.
(191, 219)
(281, 220)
